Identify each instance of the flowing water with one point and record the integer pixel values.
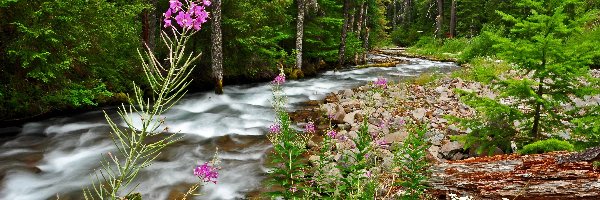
(55, 157)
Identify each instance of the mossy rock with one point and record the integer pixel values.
(545, 146)
(296, 74)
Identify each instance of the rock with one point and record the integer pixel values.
(458, 156)
(377, 96)
(395, 137)
(419, 113)
(348, 93)
(451, 147)
(436, 139)
(435, 152)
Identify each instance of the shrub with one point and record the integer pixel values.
(545, 146)
(483, 70)
(483, 44)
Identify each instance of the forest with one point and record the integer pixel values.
(79, 54)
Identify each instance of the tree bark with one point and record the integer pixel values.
(536, 177)
(359, 23)
(439, 19)
(217, 47)
(453, 19)
(299, 33)
(535, 131)
(407, 12)
(366, 36)
(149, 20)
(351, 15)
(342, 51)
(394, 14)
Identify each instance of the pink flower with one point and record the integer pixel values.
(293, 189)
(167, 23)
(275, 128)
(175, 5)
(310, 127)
(279, 79)
(206, 2)
(332, 133)
(368, 174)
(207, 173)
(381, 82)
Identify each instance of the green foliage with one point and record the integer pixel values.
(484, 70)
(491, 128)
(289, 145)
(139, 145)
(483, 44)
(72, 51)
(588, 126)
(545, 146)
(414, 167)
(439, 49)
(538, 44)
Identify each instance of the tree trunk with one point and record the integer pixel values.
(453, 19)
(537, 177)
(351, 15)
(342, 51)
(538, 108)
(366, 36)
(217, 51)
(299, 34)
(394, 14)
(439, 19)
(359, 23)
(407, 12)
(149, 25)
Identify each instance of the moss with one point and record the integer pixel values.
(545, 146)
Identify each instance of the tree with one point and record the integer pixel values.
(453, 19)
(551, 65)
(217, 43)
(299, 34)
(439, 19)
(342, 51)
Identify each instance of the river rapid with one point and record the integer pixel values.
(55, 157)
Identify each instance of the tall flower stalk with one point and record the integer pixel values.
(288, 147)
(167, 80)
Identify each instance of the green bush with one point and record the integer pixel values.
(483, 44)
(544, 146)
(483, 70)
(405, 38)
(456, 45)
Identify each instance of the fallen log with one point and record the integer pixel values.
(535, 177)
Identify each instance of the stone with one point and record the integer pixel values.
(450, 147)
(396, 137)
(350, 117)
(348, 93)
(419, 113)
(436, 139)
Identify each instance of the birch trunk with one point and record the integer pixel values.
(299, 34)
(217, 51)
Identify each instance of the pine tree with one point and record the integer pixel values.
(551, 66)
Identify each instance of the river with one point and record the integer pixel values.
(55, 157)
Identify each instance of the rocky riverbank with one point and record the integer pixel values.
(429, 103)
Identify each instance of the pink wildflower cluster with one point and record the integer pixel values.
(207, 173)
(193, 17)
(310, 127)
(275, 128)
(332, 133)
(279, 79)
(381, 82)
